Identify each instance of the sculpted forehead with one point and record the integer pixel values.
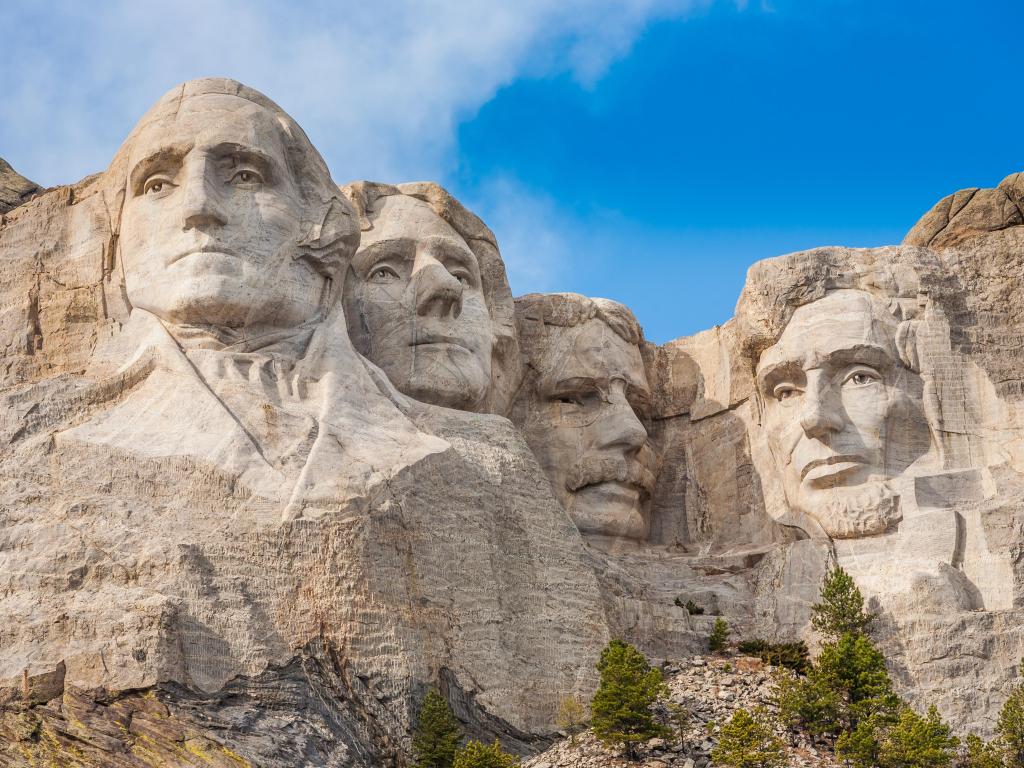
(592, 350)
(841, 321)
(208, 120)
(404, 217)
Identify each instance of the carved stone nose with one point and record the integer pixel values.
(201, 206)
(438, 292)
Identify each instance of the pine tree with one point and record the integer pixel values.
(917, 742)
(719, 636)
(478, 755)
(860, 747)
(981, 754)
(855, 669)
(620, 712)
(571, 716)
(841, 610)
(747, 741)
(1010, 728)
(437, 733)
(680, 717)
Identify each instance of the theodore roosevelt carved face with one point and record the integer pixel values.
(842, 412)
(583, 408)
(416, 307)
(212, 218)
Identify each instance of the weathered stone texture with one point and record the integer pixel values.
(258, 491)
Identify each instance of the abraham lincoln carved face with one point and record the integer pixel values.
(842, 412)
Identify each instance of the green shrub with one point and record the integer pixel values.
(841, 609)
(691, 607)
(571, 717)
(981, 754)
(917, 742)
(620, 712)
(679, 716)
(437, 734)
(747, 741)
(719, 636)
(1010, 728)
(478, 755)
(808, 703)
(794, 656)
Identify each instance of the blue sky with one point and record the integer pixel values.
(644, 150)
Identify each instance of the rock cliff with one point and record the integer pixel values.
(279, 455)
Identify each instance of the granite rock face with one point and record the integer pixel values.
(277, 456)
(15, 189)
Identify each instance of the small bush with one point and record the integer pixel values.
(917, 742)
(691, 607)
(719, 636)
(981, 754)
(478, 755)
(571, 717)
(794, 656)
(747, 741)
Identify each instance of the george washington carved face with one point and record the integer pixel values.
(212, 219)
(842, 412)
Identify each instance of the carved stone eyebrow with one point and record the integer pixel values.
(458, 252)
(164, 158)
(395, 247)
(243, 154)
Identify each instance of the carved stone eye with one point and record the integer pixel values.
(383, 275)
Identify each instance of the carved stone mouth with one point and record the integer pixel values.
(431, 339)
(215, 250)
(830, 466)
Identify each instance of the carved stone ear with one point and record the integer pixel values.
(334, 227)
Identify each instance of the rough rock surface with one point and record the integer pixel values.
(214, 497)
(15, 189)
(711, 689)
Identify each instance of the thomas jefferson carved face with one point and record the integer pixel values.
(415, 305)
(584, 424)
(212, 219)
(842, 413)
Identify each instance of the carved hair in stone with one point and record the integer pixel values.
(582, 408)
(427, 299)
(843, 412)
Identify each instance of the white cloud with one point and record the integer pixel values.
(379, 86)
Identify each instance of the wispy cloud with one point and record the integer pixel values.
(380, 87)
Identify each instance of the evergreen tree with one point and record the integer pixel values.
(981, 754)
(855, 669)
(437, 733)
(917, 742)
(859, 747)
(478, 755)
(807, 702)
(719, 636)
(747, 741)
(841, 610)
(571, 716)
(679, 716)
(1010, 728)
(620, 712)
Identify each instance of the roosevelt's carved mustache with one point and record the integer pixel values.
(593, 470)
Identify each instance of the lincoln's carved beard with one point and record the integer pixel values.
(868, 509)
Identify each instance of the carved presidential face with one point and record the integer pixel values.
(585, 425)
(842, 414)
(415, 305)
(212, 219)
